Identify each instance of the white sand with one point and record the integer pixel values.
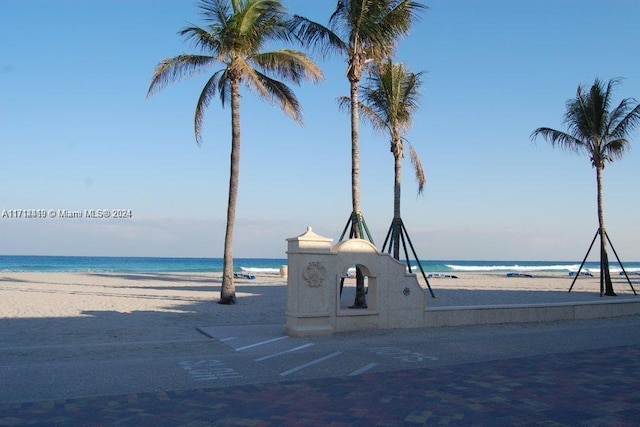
(498, 289)
(63, 308)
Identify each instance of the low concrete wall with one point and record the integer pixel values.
(523, 313)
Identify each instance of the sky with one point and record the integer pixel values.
(78, 133)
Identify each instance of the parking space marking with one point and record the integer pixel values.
(365, 368)
(267, 345)
(403, 355)
(205, 370)
(262, 343)
(270, 356)
(313, 362)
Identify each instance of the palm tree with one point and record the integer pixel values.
(234, 36)
(361, 31)
(390, 98)
(601, 133)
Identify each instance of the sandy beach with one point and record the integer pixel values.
(70, 308)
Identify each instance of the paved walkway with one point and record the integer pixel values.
(585, 388)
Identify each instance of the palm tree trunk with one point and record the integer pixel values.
(228, 290)
(396, 199)
(355, 151)
(605, 275)
(360, 298)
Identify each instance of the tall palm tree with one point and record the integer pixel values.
(361, 31)
(601, 133)
(235, 33)
(390, 97)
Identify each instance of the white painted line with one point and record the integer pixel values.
(363, 369)
(260, 359)
(227, 339)
(262, 343)
(205, 378)
(313, 362)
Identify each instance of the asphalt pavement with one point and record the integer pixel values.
(558, 373)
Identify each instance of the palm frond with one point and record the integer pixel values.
(274, 91)
(215, 11)
(626, 121)
(371, 116)
(207, 93)
(289, 64)
(370, 28)
(615, 149)
(224, 86)
(316, 36)
(344, 103)
(398, 18)
(378, 122)
(255, 14)
(233, 36)
(558, 138)
(205, 40)
(421, 178)
(392, 91)
(177, 68)
(593, 127)
(375, 96)
(261, 20)
(598, 106)
(589, 123)
(580, 117)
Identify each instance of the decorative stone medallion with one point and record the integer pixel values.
(314, 274)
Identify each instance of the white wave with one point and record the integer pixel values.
(614, 270)
(515, 267)
(258, 270)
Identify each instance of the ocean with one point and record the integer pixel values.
(91, 264)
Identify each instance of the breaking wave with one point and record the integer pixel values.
(258, 270)
(514, 267)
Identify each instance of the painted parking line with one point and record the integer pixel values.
(401, 354)
(262, 343)
(270, 356)
(365, 368)
(313, 362)
(206, 370)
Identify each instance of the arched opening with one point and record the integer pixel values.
(347, 290)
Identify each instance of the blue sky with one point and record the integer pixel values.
(77, 132)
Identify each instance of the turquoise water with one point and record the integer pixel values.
(132, 264)
(12, 263)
